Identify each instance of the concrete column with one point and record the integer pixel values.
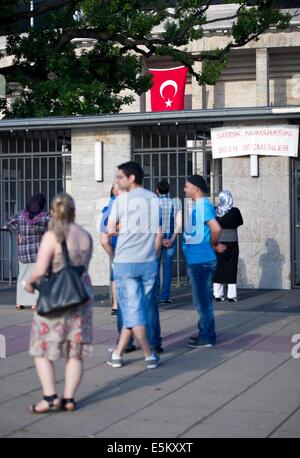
(198, 92)
(91, 196)
(262, 77)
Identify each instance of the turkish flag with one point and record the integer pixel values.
(167, 92)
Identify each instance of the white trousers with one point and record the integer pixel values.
(24, 298)
(219, 290)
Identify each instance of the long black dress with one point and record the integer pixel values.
(227, 262)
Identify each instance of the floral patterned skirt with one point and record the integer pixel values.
(69, 334)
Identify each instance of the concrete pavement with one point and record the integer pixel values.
(245, 386)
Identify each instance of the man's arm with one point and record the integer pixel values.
(177, 230)
(112, 227)
(13, 222)
(158, 241)
(215, 232)
(106, 245)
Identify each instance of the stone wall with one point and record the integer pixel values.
(90, 196)
(285, 91)
(231, 94)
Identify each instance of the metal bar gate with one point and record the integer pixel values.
(172, 153)
(30, 162)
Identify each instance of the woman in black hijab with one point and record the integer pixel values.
(229, 218)
(30, 224)
(35, 204)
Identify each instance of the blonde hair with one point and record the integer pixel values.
(63, 213)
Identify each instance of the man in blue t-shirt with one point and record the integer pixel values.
(200, 237)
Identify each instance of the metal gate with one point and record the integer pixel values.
(30, 162)
(296, 224)
(172, 153)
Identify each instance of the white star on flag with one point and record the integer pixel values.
(168, 103)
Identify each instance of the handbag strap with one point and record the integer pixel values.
(65, 253)
(65, 256)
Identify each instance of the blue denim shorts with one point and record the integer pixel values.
(134, 285)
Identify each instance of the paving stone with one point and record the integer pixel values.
(245, 386)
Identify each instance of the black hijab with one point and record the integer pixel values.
(35, 204)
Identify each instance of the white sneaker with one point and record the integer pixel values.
(114, 361)
(152, 361)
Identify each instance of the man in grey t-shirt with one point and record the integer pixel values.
(135, 216)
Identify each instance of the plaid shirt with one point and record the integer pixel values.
(168, 209)
(30, 233)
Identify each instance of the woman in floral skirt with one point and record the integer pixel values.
(70, 332)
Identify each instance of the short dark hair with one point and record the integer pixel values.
(132, 168)
(163, 187)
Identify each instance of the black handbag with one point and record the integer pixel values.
(62, 290)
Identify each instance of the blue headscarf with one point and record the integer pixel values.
(225, 203)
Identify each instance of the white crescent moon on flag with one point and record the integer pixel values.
(168, 83)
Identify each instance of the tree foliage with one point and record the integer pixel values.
(60, 78)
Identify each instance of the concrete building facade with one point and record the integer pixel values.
(260, 86)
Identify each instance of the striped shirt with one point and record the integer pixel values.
(168, 209)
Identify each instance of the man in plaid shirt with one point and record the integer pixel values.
(31, 223)
(171, 223)
(30, 233)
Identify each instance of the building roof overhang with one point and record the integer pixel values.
(122, 120)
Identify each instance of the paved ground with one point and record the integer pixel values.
(246, 386)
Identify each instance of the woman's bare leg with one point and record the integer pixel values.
(46, 374)
(73, 376)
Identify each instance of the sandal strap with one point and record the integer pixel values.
(50, 399)
(68, 399)
(65, 401)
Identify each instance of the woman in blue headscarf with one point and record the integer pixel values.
(109, 243)
(229, 218)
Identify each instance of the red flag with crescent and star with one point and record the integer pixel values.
(167, 91)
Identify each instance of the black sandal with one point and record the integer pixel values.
(66, 401)
(51, 406)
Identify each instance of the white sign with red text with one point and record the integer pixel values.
(279, 140)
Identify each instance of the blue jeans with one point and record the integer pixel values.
(201, 276)
(136, 285)
(167, 256)
(153, 328)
